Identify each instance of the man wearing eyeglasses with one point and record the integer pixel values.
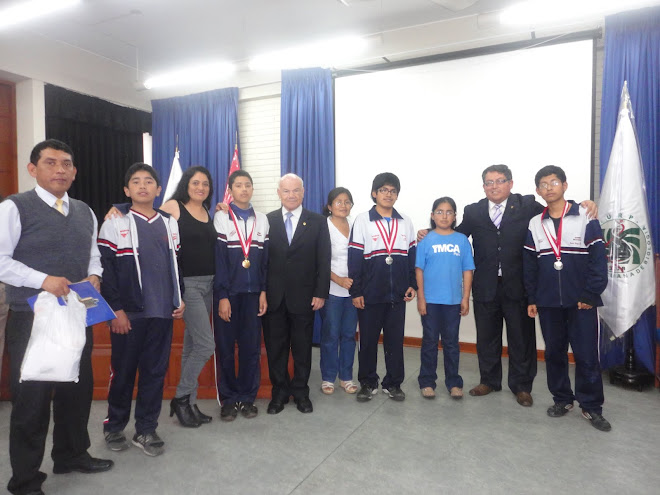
(498, 226)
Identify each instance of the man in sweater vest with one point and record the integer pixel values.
(47, 241)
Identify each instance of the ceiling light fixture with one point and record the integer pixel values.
(537, 12)
(26, 11)
(329, 53)
(191, 75)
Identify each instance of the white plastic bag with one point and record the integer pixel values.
(57, 340)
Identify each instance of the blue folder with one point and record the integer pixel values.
(98, 309)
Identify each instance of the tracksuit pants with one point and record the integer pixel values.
(243, 328)
(390, 318)
(579, 328)
(146, 348)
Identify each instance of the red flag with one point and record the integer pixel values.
(233, 168)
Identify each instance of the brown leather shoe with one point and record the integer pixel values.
(524, 399)
(480, 390)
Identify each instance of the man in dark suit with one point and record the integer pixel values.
(298, 285)
(498, 226)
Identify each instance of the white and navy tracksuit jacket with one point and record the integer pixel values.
(119, 247)
(372, 278)
(230, 276)
(584, 274)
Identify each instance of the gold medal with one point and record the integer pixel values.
(245, 243)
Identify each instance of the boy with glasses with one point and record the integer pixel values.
(565, 271)
(381, 262)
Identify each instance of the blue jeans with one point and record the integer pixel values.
(440, 321)
(338, 338)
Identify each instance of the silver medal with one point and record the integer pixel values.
(558, 265)
(389, 260)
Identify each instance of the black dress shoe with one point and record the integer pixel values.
(184, 413)
(275, 406)
(304, 405)
(201, 417)
(84, 464)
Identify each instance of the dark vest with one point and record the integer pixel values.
(50, 242)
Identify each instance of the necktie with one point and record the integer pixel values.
(58, 205)
(497, 215)
(288, 226)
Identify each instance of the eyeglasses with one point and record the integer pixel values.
(343, 203)
(443, 213)
(499, 182)
(385, 190)
(553, 183)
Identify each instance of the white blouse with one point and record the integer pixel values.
(339, 258)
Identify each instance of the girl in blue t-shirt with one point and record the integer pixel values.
(444, 267)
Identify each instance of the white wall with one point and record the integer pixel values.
(259, 128)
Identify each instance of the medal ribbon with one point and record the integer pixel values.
(245, 243)
(555, 243)
(388, 239)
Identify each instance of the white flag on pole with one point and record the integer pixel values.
(175, 177)
(624, 218)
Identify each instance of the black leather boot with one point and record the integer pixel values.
(201, 417)
(184, 413)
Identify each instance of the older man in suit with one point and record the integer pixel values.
(298, 285)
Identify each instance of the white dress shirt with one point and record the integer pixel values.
(14, 272)
(294, 219)
(491, 205)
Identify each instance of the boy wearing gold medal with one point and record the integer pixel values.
(240, 298)
(565, 271)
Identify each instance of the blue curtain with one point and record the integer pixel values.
(207, 128)
(307, 136)
(632, 53)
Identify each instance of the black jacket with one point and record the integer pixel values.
(301, 271)
(493, 247)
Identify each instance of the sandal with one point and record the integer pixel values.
(428, 393)
(327, 388)
(348, 386)
(456, 393)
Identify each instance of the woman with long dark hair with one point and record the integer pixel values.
(190, 205)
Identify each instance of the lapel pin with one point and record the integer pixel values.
(304, 223)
